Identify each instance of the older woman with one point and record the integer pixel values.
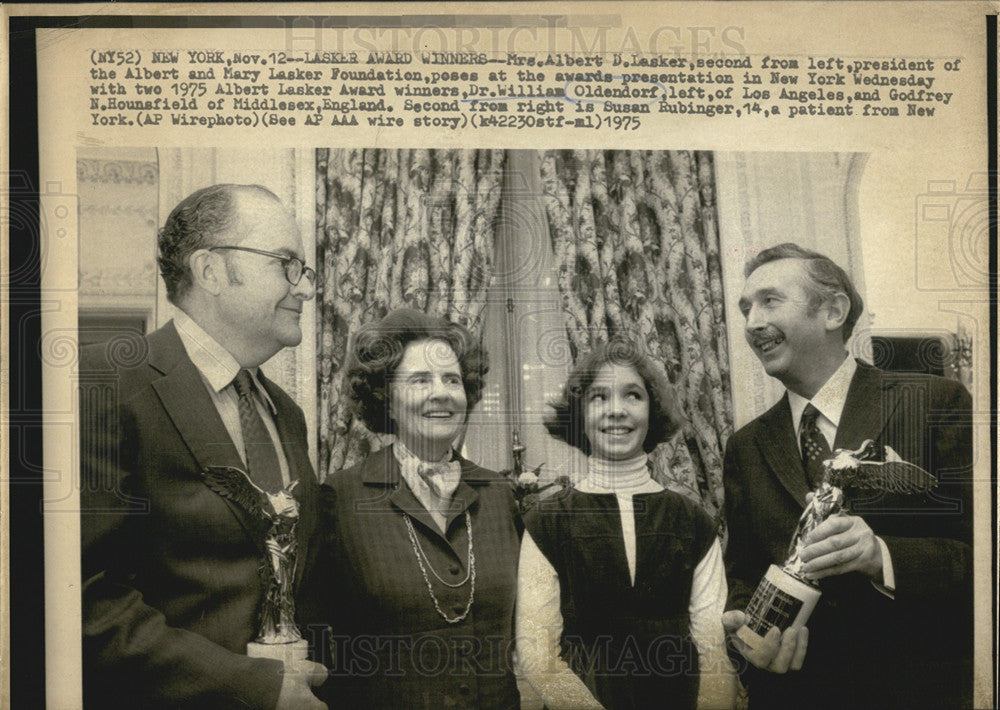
(622, 576)
(420, 567)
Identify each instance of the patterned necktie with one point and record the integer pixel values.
(262, 459)
(815, 450)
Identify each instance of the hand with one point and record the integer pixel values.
(296, 684)
(779, 653)
(841, 544)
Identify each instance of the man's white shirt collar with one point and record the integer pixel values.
(216, 365)
(831, 397)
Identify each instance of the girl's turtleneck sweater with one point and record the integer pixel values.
(624, 479)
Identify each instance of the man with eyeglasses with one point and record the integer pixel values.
(173, 567)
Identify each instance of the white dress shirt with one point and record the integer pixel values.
(218, 369)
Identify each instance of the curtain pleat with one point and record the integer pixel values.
(395, 228)
(634, 234)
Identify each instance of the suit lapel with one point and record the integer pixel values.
(293, 437)
(186, 401)
(465, 495)
(383, 465)
(776, 438)
(869, 404)
(382, 468)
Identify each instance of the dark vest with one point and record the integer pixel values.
(630, 644)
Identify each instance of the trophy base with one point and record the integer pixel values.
(285, 652)
(780, 600)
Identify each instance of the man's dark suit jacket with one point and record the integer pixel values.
(172, 571)
(865, 649)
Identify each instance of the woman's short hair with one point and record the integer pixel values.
(377, 350)
(567, 421)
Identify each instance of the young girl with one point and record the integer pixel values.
(621, 583)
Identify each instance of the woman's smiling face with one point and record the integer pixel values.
(427, 398)
(616, 413)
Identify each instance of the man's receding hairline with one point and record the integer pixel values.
(803, 263)
(804, 274)
(242, 196)
(803, 260)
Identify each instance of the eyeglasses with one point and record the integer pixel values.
(294, 268)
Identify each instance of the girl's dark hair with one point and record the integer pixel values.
(567, 421)
(377, 350)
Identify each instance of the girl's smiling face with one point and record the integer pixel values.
(616, 413)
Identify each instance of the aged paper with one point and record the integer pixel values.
(897, 89)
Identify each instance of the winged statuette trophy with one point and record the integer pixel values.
(278, 513)
(785, 596)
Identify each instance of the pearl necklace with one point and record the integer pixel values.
(421, 556)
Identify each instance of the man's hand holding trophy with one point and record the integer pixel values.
(771, 632)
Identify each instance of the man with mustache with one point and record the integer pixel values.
(173, 566)
(893, 628)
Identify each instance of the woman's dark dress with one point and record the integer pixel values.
(630, 644)
(390, 647)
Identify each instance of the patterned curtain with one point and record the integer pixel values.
(395, 228)
(635, 237)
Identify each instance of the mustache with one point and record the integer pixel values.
(763, 335)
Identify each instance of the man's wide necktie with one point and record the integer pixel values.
(262, 459)
(815, 449)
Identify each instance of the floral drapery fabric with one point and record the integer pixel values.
(633, 233)
(635, 237)
(395, 228)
